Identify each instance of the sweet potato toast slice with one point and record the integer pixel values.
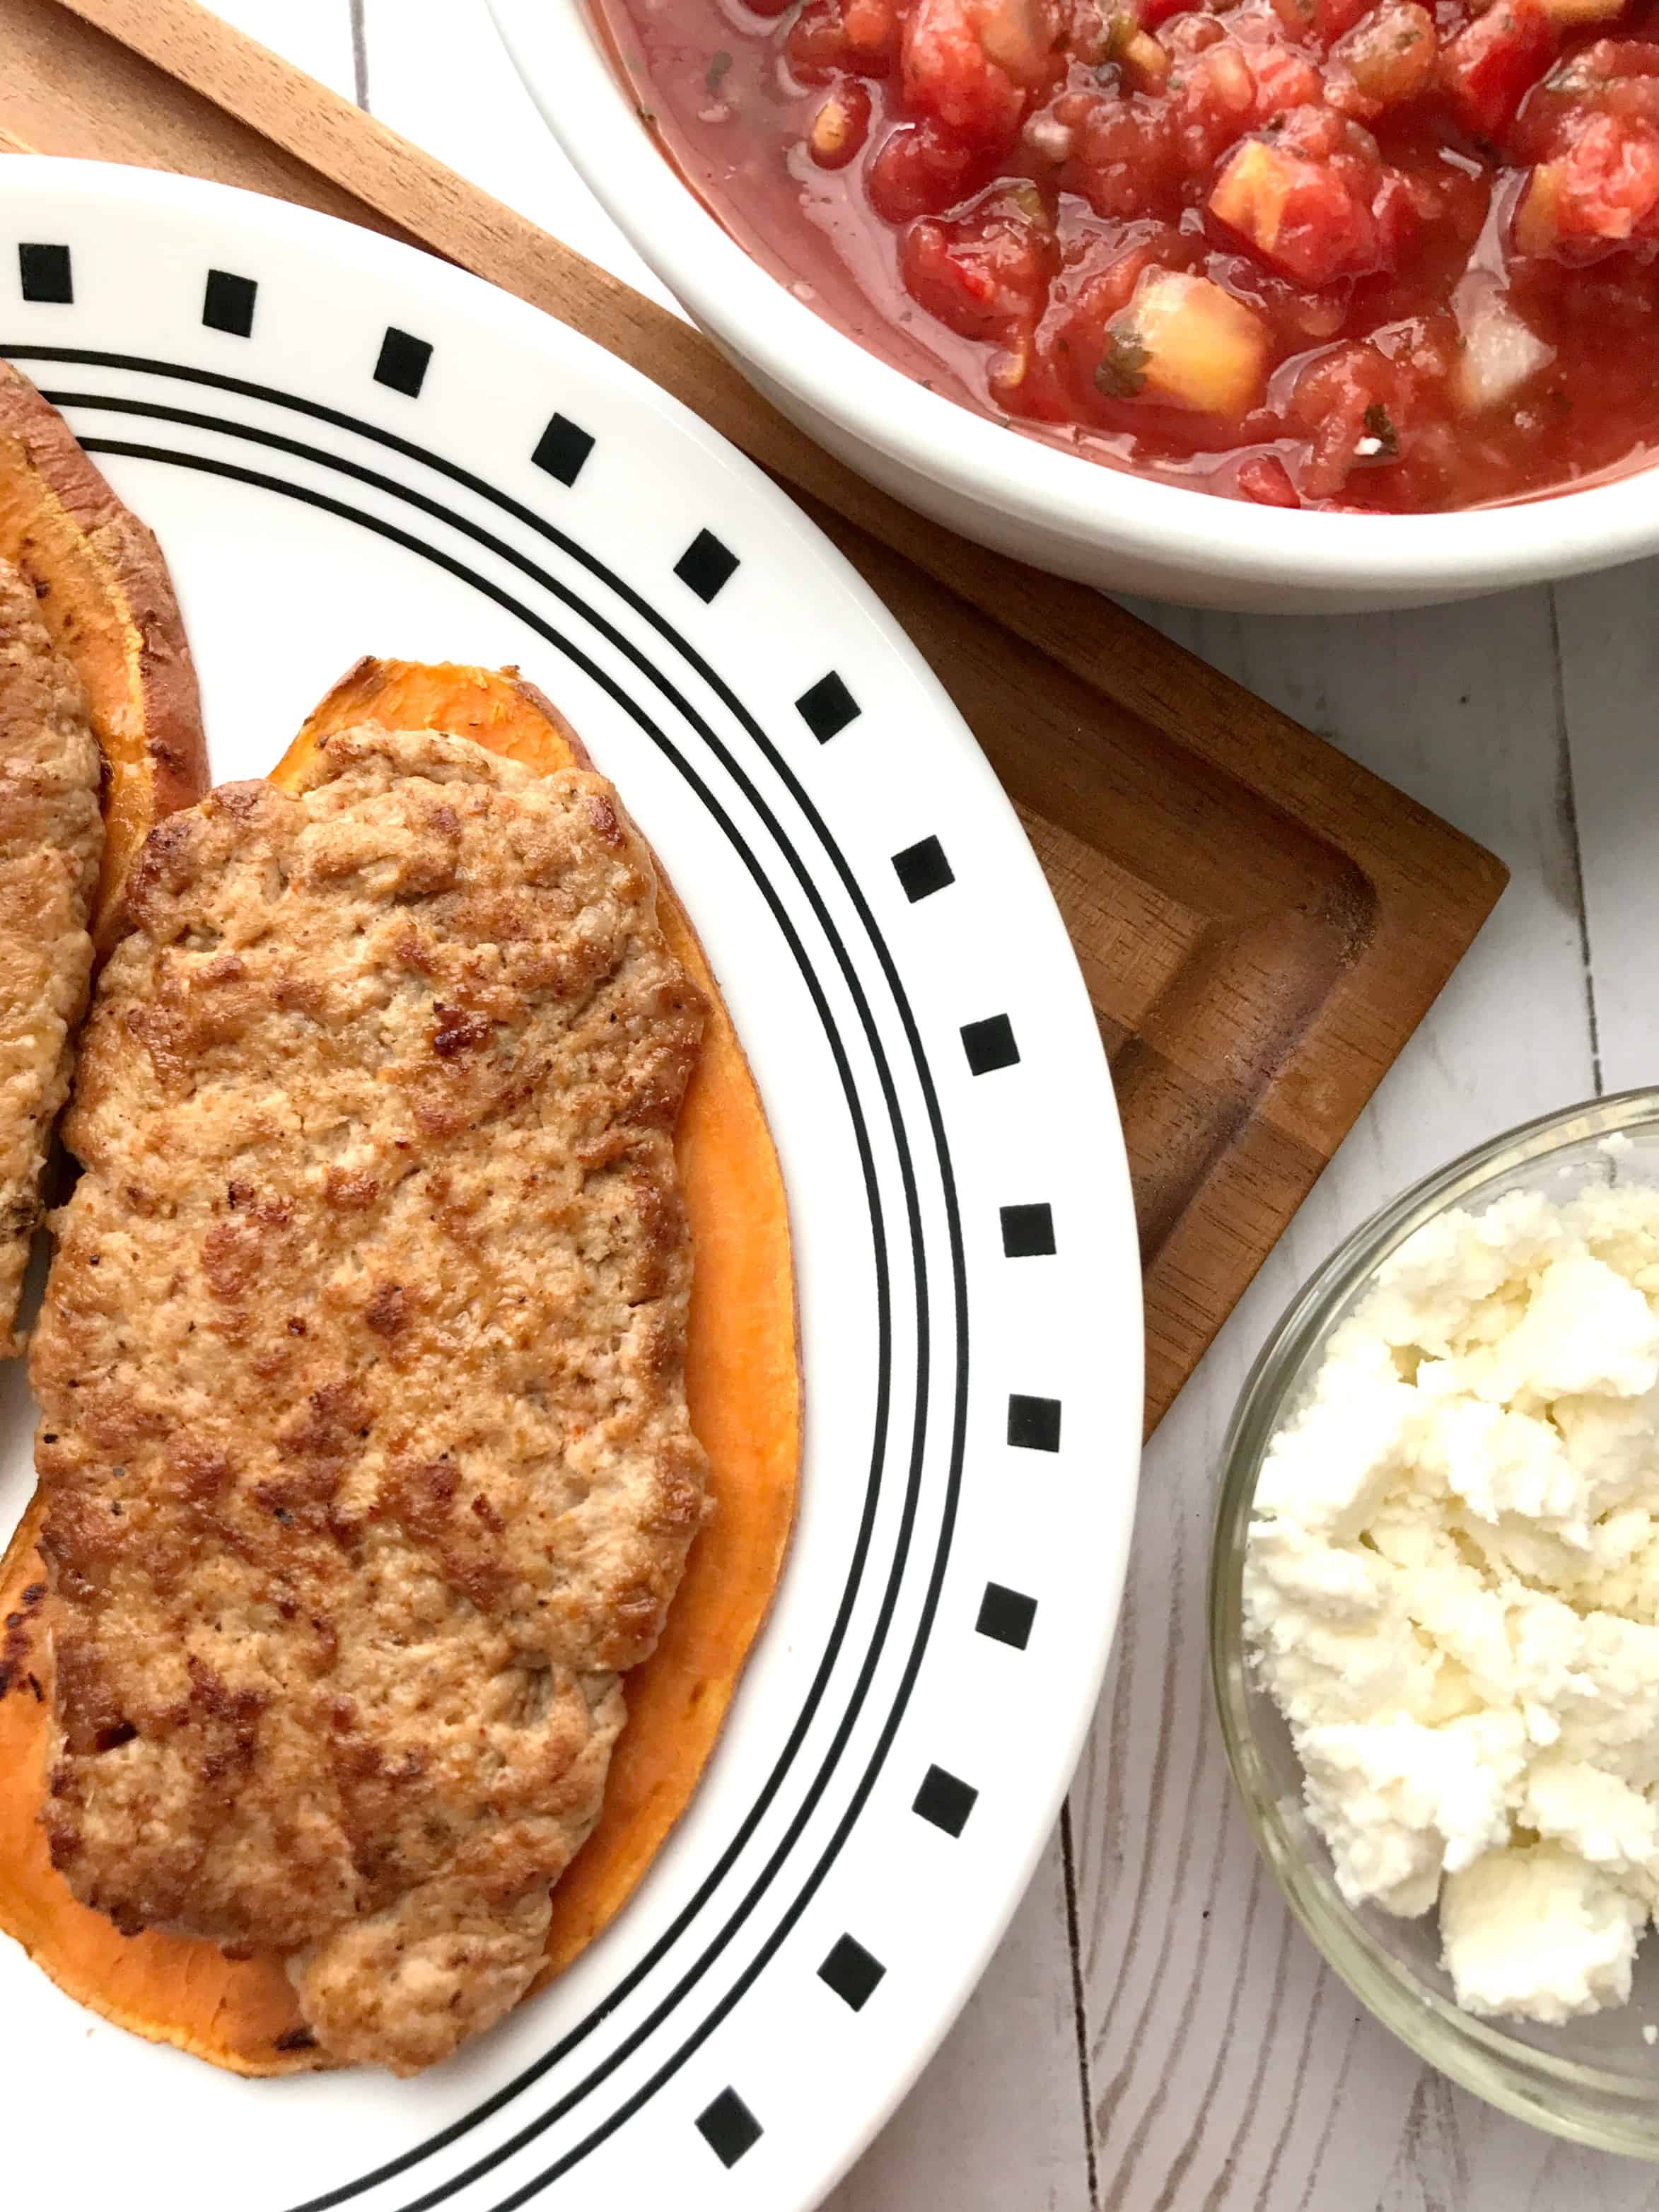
(105, 598)
(743, 1381)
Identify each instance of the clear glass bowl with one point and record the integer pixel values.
(1596, 2081)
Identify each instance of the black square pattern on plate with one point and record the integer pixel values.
(923, 869)
(990, 1044)
(851, 1972)
(728, 2127)
(45, 273)
(227, 303)
(562, 448)
(1033, 1423)
(945, 1801)
(827, 707)
(706, 566)
(1028, 1232)
(402, 363)
(1006, 1615)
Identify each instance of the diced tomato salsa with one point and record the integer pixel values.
(1322, 253)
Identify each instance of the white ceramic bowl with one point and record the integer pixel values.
(1048, 508)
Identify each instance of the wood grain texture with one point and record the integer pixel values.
(442, 109)
(1324, 911)
(63, 94)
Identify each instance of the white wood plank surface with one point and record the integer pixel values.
(1225, 2070)
(1610, 694)
(315, 35)
(1227, 2067)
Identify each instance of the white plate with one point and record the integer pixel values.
(323, 486)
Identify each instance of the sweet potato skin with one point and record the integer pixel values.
(107, 600)
(743, 1380)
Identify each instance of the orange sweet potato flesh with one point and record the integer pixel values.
(106, 598)
(742, 1378)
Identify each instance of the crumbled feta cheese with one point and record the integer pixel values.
(1597, 1817)
(1534, 1930)
(1451, 1590)
(1585, 1330)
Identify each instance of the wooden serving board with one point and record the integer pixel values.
(1261, 923)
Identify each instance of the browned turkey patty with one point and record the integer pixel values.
(364, 1433)
(52, 838)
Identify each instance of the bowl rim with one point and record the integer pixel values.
(1562, 2096)
(1027, 482)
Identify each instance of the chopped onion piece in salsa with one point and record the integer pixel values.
(1183, 341)
(1500, 355)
